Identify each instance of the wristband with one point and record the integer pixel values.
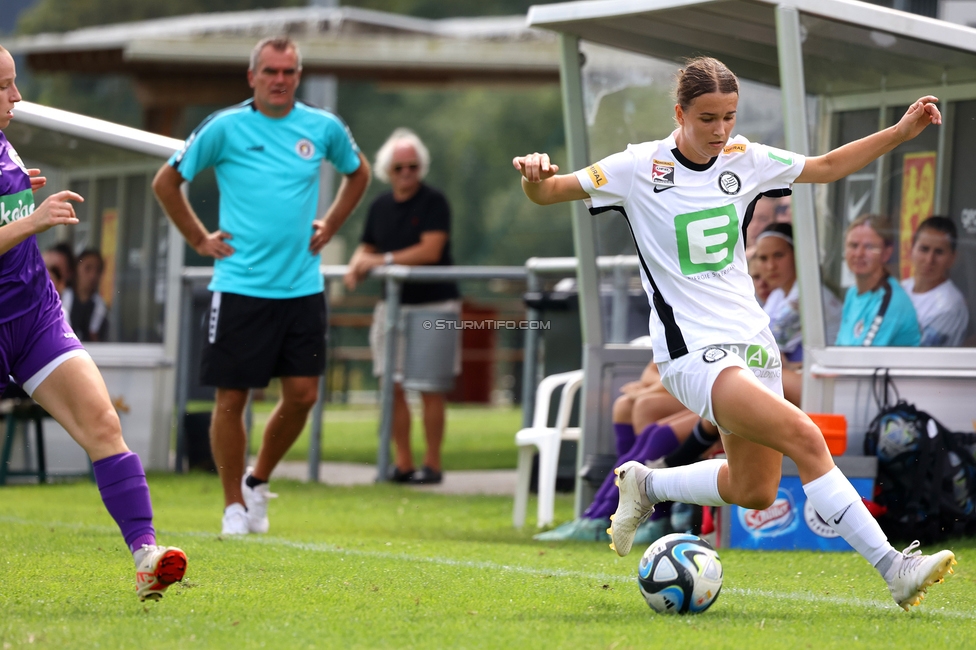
(388, 259)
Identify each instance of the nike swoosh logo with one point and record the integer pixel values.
(658, 188)
(837, 520)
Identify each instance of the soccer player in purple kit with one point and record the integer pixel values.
(39, 351)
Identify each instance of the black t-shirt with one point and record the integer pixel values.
(393, 226)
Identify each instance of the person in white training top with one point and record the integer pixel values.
(688, 200)
(943, 315)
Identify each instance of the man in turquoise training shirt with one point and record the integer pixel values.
(268, 314)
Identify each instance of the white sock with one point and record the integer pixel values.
(696, 483)
(836, 500)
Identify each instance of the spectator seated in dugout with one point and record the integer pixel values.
(943, 315)
(877, 311)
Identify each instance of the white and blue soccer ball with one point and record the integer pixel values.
(680, 574)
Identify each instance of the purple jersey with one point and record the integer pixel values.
(23, 278)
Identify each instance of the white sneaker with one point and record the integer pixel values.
(256, 499)
(633, 506)
(912, 573)
(235, 520)
(159, 567)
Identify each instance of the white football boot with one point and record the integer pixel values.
(159, 567)
(633, 506)
(235, 520)
(912, 573)
(256, 499)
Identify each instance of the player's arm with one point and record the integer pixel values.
(853, 156)
(53, 211)
(166, 185)
(351, 191)
(541, 184)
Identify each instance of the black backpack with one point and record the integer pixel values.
(926, 473)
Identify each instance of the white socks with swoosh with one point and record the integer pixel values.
(832, 494)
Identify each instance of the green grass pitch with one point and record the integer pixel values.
(394, 567)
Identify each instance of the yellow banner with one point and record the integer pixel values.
(917, 203)
(110, 237)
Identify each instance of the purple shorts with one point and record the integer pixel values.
(30, 342)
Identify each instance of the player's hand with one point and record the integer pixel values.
(918, 116)
(55, 211)
(321, 235)
(37, 181)
(535, 167)
(215, 246)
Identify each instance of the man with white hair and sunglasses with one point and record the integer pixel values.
(411, 225)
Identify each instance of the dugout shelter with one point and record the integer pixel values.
(112, 166)
(816, 74)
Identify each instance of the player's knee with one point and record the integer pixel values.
(758, 496)
(622, 409)
(806, 439)
(103, 427)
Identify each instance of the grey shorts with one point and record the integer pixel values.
(377, 335)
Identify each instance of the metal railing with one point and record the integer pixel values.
(394, 277)
(537, 268)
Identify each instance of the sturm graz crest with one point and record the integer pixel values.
(711, 355)
(729, 183)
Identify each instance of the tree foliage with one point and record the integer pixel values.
(472, 132)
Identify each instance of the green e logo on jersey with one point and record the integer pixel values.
(706, 239)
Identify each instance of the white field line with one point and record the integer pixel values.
(316, 547)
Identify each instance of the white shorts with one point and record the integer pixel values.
(377, 335)
(690, 378)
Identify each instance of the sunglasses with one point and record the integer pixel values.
(411, 166)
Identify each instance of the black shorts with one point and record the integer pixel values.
(250, 340)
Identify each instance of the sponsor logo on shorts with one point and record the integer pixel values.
(775, 520)
(305, 148)
(596, 175)
(706, 240)
(738, 147)
(711, 355)
(816, 524)
(16, 206)
(729, 183)
(662, 173)
(757, 357)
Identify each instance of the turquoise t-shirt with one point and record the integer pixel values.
(268, 175)
(899, 328)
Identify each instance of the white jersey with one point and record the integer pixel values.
(942, 313)
(689, 223)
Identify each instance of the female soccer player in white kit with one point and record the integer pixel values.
(688, 200)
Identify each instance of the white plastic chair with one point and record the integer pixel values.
(547, 440)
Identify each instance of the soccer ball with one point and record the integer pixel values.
(898, 437)
(680, 574)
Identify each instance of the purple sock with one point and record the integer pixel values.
(656, 441)
(625, 437)
(122, 484)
